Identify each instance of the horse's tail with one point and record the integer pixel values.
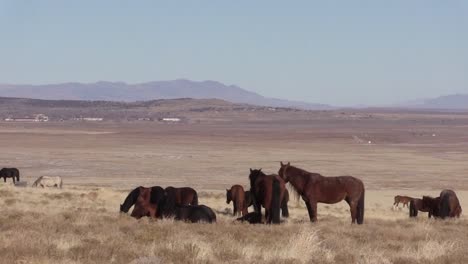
(275, 201)
(284, 204)
(195, 198)
(413, 211)
(17, 175)
(360, 208)
(444, 210)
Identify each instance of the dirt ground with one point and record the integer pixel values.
(393, 153)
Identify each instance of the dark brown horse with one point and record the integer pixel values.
(267, 191)
(143, 206)
(237, 195)
(405, 200)
(157, 197)
(248, 199)
(315, 188)
(416, 205)
(251, 218)
(183, 195)
(433, 204)
(10, 173)
(194, 213)
(449, 204)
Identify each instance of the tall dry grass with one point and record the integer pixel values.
(83, 225)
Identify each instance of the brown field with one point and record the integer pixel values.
(410, 154)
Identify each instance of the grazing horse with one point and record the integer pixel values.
(405, 200)
(157, 197)
(237, 195)
(252, 218)
(48, 181)
(416, 205)
(315, 188)
(183, 195)
(433, 204)
(143, 206)
(449, 204)
(10, 173)
(267, 191)
(194, 213)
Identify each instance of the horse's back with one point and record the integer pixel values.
(449, 204)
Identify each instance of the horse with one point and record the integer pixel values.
(315, 188)
(405, 200)
(183, 195)
(194, 213)
(433, 204)
(48, 181)
(416, 205)
(143, 206)
(237, 195)
(10, 173)
(157, 197)
(267, 191)
(449, 204)
(252, 218)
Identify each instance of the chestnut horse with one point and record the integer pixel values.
(315, 188)
(449, 204)
(267, 191)
(183, 195)
(237, 195)
(157, 197)
(416, 205)
(143, 206)
(405, 200)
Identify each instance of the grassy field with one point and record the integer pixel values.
(100, 163)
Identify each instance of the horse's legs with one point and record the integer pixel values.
(14, 181)
(4, 178)
(312, 209)
(352, 209)
(235, 208)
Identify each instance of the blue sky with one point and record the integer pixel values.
(335, 52)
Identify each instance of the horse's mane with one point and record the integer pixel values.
(37, 181)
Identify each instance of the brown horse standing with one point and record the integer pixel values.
(449, 204)
(433, 204)
(405, 200)
(143, 206)
(315, 188)
(183, 195)
(417, 205)
(237, 195)
(267, 191)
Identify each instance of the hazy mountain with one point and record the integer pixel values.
(454, 101)
(119, 91)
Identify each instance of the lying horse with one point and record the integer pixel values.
(48, 181)
(157, 197)
(315, 188)
(143, 206)
(237, 195)
(449, 204)
(417, 205)
(267, 191)
(194, 213)
(252, 218)
(405, 200)
(10, 173)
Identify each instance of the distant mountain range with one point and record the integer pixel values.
(454, 101)
(120, 91)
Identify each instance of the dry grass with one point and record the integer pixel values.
(83, 225)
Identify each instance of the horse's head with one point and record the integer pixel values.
(122, 210)
(254, 174)
(228, 196)
(282, 170)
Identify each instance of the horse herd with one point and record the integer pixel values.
(446, 205)
(267, 191)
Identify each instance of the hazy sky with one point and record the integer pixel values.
(335, 52)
